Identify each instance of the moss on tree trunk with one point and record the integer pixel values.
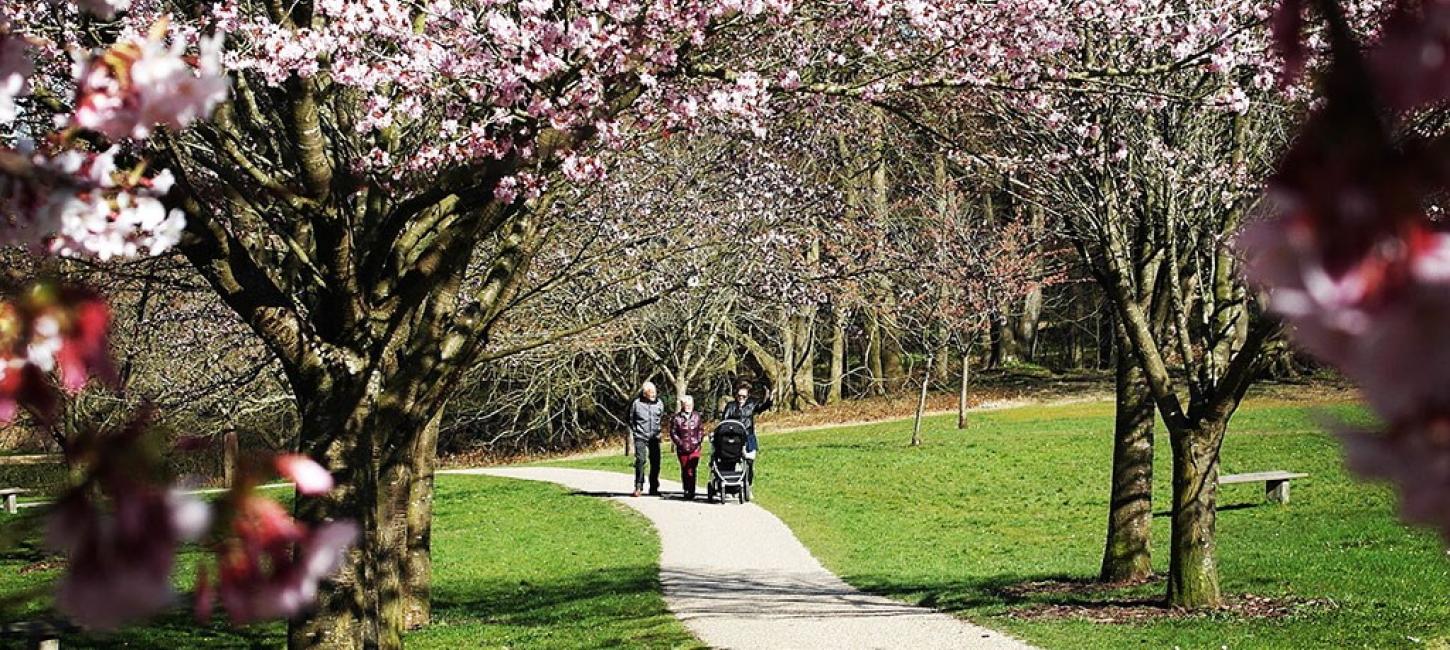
(1193, 566)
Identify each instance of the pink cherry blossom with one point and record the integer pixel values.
(51, 328)
(119, 558)
(15, 70)
(310, 477)
(1349, 255)
(77, 205)
(131, 88)
(260, 575)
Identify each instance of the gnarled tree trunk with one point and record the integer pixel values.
(1127, 554)
(1192, 568)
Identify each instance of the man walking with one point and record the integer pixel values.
(645, 415)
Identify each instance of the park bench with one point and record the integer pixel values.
(12, 501)
(38, 635)
(1276, 483)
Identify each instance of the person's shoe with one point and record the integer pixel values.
(636, 493)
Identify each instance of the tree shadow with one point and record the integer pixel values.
(1223, 508)
(610, 604)
(173, 630)
(1002, 593)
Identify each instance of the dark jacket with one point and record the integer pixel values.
(687, 430)
(644, 418)
(745, 414)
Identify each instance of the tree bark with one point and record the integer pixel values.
(348, 612)
(921, 403)
(802, 366)
(873, 353)
(1004, 344)
(681, 384)
(1031, 317)
(838, 356)
(418, 565)
(1076, 340)
(962, 392)
(1192, 567)
(1127, 554)
(892, 361)
(1026, 325)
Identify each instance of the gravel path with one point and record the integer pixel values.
(738, 578)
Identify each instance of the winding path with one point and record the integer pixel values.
(738, 578)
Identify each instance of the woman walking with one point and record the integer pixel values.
(687, 430)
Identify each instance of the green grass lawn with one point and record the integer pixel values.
(1021, 496)
(516, 564)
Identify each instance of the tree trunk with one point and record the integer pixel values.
(418, 565)
(1031, 316)
(802, 368)
(941, 372)
(893, 364)
(1192, 566)
(1127, 555)
(352, 611)
(921, 403)
(681, 384)
(1076, 340)
(838, 356)
(1107, 340)
(1004, 345)
(873, 353)
(962, 394)
(1025, 335)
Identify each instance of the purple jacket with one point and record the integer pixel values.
(687, 430)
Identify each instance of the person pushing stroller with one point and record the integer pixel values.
(743, 409)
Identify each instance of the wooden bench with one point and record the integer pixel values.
(12, 501)
(39, 635)
(1276, 483)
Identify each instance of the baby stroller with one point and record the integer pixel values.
(727, 463)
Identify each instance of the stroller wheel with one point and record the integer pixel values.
(745, 492)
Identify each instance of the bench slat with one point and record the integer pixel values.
(9, 491)
(1259, 477)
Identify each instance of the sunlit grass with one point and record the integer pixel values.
(516, 564)
(1022, 496)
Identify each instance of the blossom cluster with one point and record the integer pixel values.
(51, 329)
(121, 525)
(80, 204)
(121, 528)
(131, 88)
(1350, 257)
(269, 565)
(75, 202)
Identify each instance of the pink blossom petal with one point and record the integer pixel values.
(310, 477)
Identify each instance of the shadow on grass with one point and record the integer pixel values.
(178, 630)
(611, 606)
(996, 595)
(600, 602)
(1223, 508)
(603, 494)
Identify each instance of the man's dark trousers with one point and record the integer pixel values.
(647, 451)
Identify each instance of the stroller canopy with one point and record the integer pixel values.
(728, 441)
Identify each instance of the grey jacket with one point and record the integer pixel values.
(644, 418)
